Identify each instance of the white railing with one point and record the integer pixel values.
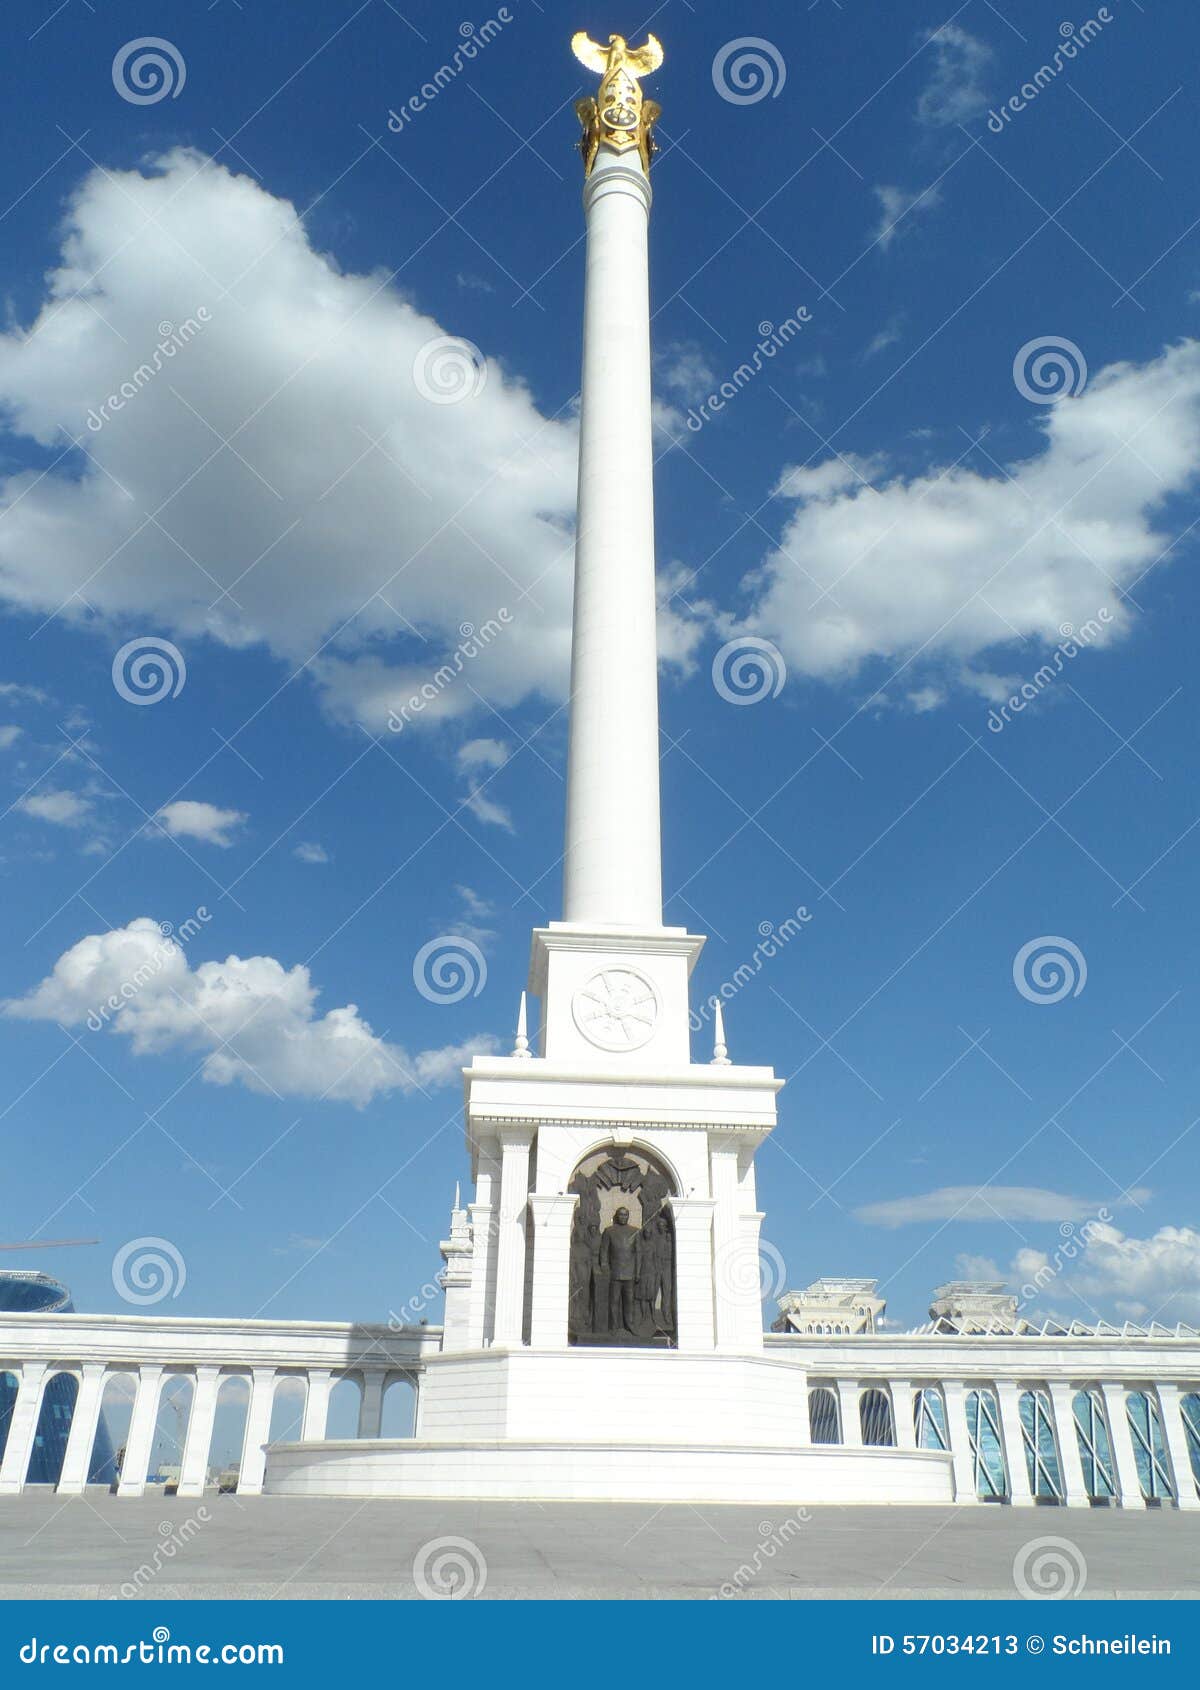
(155, 1350)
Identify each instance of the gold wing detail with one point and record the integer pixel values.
(642, 60)
(588, 53)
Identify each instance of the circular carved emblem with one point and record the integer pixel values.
(617, 1009)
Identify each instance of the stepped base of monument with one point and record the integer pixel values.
(512, 1470)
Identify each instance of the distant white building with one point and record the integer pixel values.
(844, 1307)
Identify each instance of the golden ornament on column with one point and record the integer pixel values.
(619, 115)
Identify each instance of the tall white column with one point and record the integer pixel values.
(612, 872)
(370, 1406)
(902, 1413)
(1120, 1442)
(1175, 1438)
(22, 1428)
(1070, 1464)
(848, 1413)
(510, 1255)
(694, 1323)
(142, 1421)
(482, 1318)
(82, 1435)
(316, 1404)
(1008, 1394)
(954, 1396)
(193, 1471)
(258, 1430)
(552, 1218)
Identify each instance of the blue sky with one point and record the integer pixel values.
(891, 504)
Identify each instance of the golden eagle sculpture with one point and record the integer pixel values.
(618, 116)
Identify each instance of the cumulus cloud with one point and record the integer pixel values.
(9, 734)
(477, 761)
(1141, 1279)
(989, 1203)
(255, 1020)
(61, 808)
(345, 508)
(309, 851)
(955, 91)
(188, 818)
(895, 204)
(941, 567)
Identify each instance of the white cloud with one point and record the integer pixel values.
(63, 809)
(309, 851)
(475, 759)
(988, 1203)
(187, 818)
(255, 1020)
(940, 568)
(895, 207)
(18, 690)
(682, 368)
(8, 736)
(889, 335)
(1141, 1279)
(955, 92)
(476, 913)
(385, 512)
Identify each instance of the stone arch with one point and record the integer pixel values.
(622, 1280)
(59, 1395)
(876, 1418)
(824, 1419)
(226, 1448)
(345, 1400)
(287, 1408)
(399, 1417)
(112, 1428)
(171, 1421)
(9, 1386)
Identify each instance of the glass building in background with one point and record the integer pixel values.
(23, 1291)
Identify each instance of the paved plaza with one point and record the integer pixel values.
(265, 1547)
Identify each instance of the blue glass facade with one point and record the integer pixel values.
(23, 1292)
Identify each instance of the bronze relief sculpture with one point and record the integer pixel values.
(622, 1259)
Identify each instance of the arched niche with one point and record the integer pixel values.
(622, 1273)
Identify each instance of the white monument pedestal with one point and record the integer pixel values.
(610, 1425)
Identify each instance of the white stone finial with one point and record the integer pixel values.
(521, 1042)
(457, 1204)
(720, 1055)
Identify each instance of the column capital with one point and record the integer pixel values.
(611, 177)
